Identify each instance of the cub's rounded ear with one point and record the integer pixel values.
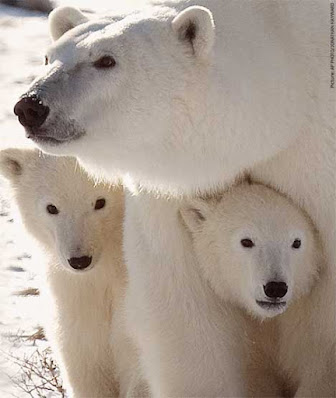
(195, 212)
(13, 162)
(195, 26)
(62, 19)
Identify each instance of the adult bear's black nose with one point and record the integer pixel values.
(275, 289)
(31, 111)
(80, 262)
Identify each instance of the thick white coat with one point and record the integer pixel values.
(275, 361)
(179, 114)
(190, 345)
(81, 307)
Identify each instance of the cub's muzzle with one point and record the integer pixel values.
(80, 263)
(275, 290)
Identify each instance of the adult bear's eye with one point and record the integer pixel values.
(105, 62)
(46, 60)
(247, 243)
(100, 203)
(51, 209)
(296, 244)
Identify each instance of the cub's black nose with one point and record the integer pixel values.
(275, 289)
(80, 262)
(31, 111)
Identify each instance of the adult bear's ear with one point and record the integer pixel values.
(13, 161)
(195, 26)
(62, 19)
(195, 212)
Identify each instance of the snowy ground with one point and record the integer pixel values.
(24, 36)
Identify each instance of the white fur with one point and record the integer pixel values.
(174, 122)
(188, 348)
(163, 99)
(63, 19)
(80, 305)
(198, 22)
(272, 223)
(237, 275)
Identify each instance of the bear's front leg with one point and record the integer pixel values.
(189, 345)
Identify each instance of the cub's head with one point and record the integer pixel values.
(255, 248)
(72, 217)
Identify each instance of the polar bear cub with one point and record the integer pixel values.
(79, 225)
(261, 253)
(255, 248)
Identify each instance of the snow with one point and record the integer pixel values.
(24, 36)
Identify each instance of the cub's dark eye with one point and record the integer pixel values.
(105, 62)
(100, 203)
(247, 243)
(51, 209)
(46, 60)
(296, 244)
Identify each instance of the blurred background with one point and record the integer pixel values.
(27, 367)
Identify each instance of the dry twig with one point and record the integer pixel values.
(38, 375)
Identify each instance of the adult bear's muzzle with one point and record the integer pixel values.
(42, 125)
(31, 112)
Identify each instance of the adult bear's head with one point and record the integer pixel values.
(148, 96)
(113, 88)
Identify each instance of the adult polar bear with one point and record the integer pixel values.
(180, 105)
